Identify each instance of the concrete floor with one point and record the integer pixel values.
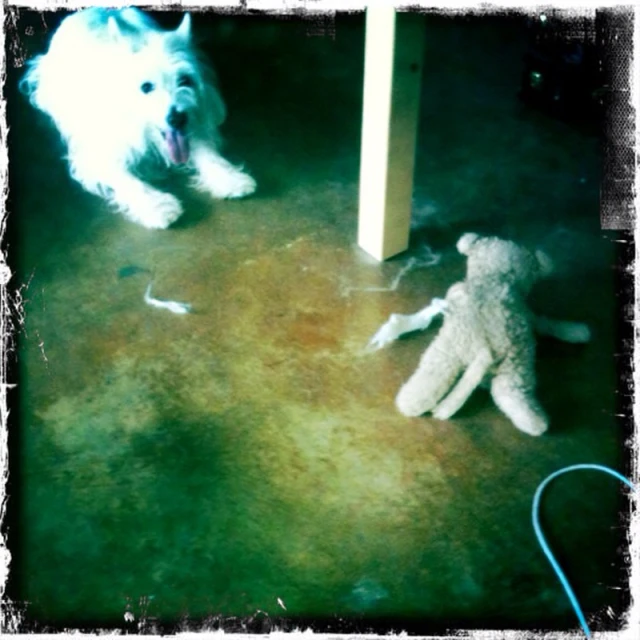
(184, 467)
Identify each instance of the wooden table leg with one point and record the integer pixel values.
(394, 49)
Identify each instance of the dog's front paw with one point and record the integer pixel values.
(159, 211)
(237, 185)
(219, 178)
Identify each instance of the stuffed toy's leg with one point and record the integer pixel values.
(519, 404)
(469, 381)
(436, 374)
(575, 332)
(399, 324)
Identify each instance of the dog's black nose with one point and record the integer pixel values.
(177, 119)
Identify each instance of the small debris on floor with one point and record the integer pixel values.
(169, 305)
(130, 270)
(426, 258)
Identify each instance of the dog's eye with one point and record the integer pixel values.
(147, 87)
(185, 81)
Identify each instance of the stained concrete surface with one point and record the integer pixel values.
(183, 467)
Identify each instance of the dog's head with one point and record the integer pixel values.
(172, 97)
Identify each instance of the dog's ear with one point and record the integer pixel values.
(545, 264)
(113, 29)
(184, 30)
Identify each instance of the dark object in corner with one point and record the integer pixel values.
(561, 71)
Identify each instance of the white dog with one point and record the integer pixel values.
(129, 98)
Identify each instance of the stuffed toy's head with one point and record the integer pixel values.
(489, 257)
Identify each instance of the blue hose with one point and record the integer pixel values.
(543, 542)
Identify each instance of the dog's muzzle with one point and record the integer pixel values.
(175, 137)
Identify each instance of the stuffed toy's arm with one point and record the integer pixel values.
(574, 332)
(469, 381)
(399, 324)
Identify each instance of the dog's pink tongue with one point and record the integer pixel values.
(178, 146)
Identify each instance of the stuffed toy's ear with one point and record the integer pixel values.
(466, 242)
(545, 263)
(184, 30)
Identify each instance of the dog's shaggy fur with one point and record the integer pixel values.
(129, 98)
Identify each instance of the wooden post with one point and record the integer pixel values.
(394, 47)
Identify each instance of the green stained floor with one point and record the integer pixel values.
(213, 463)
